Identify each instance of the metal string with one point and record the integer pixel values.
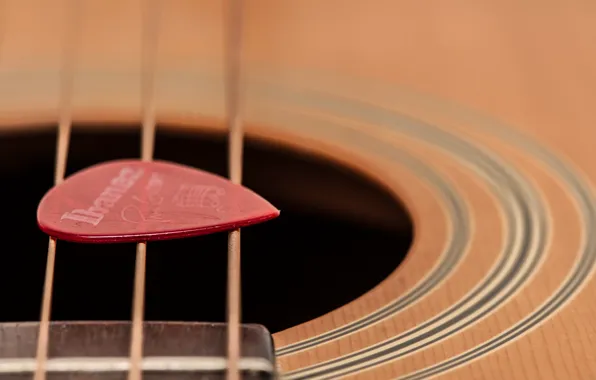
(62, 142)
(149, 49)
(3, 7)
(234, 119)
(233, 24)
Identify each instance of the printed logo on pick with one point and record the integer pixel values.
(133, 200)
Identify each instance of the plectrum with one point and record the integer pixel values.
(133, 200)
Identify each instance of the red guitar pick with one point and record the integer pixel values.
(133, 201)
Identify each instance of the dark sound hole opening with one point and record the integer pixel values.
(338, 236)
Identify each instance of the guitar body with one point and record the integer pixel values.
(478, 117)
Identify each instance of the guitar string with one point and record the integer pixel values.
(150, 14)
(62, 143)
(148, 137)
(235, 168)
(233, 78)
(3, 7)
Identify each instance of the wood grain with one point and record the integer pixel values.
(478, 115)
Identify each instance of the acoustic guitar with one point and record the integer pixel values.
(433, 162)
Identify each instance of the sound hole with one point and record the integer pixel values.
(338, 236)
